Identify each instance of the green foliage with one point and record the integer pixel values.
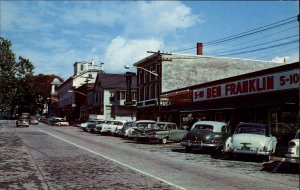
(20, 90)
(7, 74)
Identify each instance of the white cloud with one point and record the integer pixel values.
(159, 18)
(121, 52)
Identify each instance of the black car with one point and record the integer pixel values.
(206, 134)
(22, 121)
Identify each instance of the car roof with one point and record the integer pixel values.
(166, 123)
(251, 125)
(216, 124)
(145, 121)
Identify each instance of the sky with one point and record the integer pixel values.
(54, 35)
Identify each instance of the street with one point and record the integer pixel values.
(50, 157)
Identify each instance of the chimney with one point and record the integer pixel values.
(199, 48)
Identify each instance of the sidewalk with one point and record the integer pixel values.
(17, 168)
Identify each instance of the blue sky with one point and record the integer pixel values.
(55, 34)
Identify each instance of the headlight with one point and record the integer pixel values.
(292, 144)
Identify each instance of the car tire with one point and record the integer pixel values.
(188, 149)
(163, 140)
(267, 158)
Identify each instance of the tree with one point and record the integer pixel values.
(7, 74)
(42, 86)
(25, 96)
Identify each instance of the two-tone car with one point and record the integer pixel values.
(206, 134)
(251, 139)
(112, 126)
(293, 153)
(124, 131)
(141, 124)
(90, 125)
(22, 121)
(162, 131)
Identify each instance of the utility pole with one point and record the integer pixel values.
(298, 118)
(159, 59)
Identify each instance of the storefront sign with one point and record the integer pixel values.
(267, 83)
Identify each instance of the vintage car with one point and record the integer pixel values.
(139, 125)
(252, 139)
(162, 131)
(33, 120)
(124, 131)
(22, 121)
(206, 134)
(293, 153)
(98, 128)
(90, 126)
(61, 122)
(112, 126)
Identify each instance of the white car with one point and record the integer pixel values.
(90, 125)
(111, 127)
(293, 153)
(252, 139)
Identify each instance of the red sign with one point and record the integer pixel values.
(267, 83)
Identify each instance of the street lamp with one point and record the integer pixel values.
(53, 99)
(77, 92)
(158, 85)
(131, 66)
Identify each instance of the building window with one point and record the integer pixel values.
(81, 67)
(150, 92)
(150, 77)
(133, 95)
(122, 95)
(140, 77)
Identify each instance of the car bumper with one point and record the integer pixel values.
(291, 159)
(252, 152)
(199, 144)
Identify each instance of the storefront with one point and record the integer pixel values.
(268, 96)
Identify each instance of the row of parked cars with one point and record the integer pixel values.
(247, 138)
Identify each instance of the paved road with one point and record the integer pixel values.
(67, 158)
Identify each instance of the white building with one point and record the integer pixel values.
(84, 73)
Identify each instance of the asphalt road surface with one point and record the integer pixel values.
(49, 157)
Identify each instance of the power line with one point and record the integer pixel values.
(270, 47)
(253, 31)
(262, 37)
(244, 34)
(276, 40)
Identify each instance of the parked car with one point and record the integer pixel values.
(124, 131)
(90, 126)
(98, 127)
(162, 131)
(293, 153)
(58, 121)
(112, 126)
(139, 125)
(33, 120)
(22, 121)
(206, 134)
(252, 139)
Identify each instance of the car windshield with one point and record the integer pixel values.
(204, 127)
(252, 130)
(161, 125)
(146, 125)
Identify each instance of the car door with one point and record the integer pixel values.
(176, 134)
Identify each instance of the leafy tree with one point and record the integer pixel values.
(24, 97)
(20, 90)
(42, 86)
(7, 74)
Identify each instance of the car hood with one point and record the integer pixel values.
(200, 135)
(254, 140)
